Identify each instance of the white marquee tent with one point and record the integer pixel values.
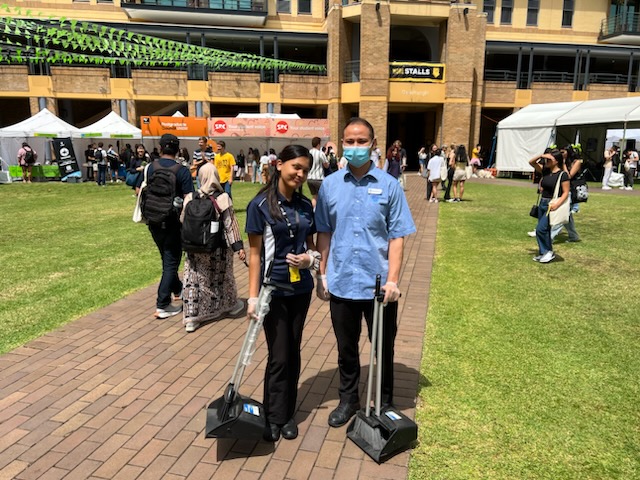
(111, 126)
(530, 130)
(35, 131)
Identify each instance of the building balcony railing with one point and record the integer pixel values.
(582, 80)
(230, 5)
(625, 24)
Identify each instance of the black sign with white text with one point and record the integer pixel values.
(416, 72)
(65, 156)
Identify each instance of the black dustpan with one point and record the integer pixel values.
(232, 415)
(242, 418)
(383, 433)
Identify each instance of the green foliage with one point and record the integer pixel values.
(112, 45)
(68, 250)
(530, 370)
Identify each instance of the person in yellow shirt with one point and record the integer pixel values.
(225, 162)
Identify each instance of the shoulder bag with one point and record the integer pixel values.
(534, 209)
(137, 211)
(560, 215)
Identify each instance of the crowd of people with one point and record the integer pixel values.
(352, 230)
(447, 168)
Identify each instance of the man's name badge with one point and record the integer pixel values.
(374, 191)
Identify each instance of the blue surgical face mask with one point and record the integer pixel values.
(357, 156)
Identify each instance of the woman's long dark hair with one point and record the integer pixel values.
(557, 154)
(289, 152)
(461, 155)
(136, 150)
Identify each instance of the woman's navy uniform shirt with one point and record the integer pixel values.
(277, 239)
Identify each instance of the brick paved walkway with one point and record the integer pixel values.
(119, 394)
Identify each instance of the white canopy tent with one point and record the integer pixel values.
(111, 126)
(530, 130)
(35, 131)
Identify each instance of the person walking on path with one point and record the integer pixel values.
(362, 217)
(280, 226)
(166, 234)
(210, 290)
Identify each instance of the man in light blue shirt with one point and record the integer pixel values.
(362, 217)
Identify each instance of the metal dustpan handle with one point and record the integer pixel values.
(376, 349)
(251, 337)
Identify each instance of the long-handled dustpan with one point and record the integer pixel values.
(232, 415)
(383, 433)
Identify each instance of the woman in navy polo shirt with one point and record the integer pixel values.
(280, 226)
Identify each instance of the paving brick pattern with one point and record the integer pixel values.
(119, 394)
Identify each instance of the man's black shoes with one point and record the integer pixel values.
(341, 415)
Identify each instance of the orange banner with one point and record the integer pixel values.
(154, 126)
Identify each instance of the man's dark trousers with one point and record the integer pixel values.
(167, 238)
(346, 316)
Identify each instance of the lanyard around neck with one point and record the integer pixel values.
(288, 222)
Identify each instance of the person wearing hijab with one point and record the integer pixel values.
(210, 290)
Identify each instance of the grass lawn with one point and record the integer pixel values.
(67, 250)
(529, 370)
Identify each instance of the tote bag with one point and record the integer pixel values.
(560, 215)
(137, 211)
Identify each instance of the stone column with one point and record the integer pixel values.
(338, 54)
(464, 64)
(375, 23)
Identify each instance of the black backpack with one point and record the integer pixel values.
(29, 157)
(97, 154)
(202, 229)
(157, 196)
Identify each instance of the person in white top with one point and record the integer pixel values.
(316, 174)
(264, 168)
(433, 173)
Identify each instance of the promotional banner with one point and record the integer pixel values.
(416, 72)
(154, 126)
(268, 127)
(65, 156)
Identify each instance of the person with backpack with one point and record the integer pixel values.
(100, 157)
(27, 156)
(114, 163)
(167, 185)
(210, 237)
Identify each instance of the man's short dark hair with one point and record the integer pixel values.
(169, 144)
(361, 121)
(315, 141)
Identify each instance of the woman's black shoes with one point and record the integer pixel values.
(289, 430)
(272, 433)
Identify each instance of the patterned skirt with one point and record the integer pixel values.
(209, 290)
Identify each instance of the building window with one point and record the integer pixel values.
(283, 6)
(489, 8)
(304, 6)
(532, 13)
(505, 12)
(567, 13)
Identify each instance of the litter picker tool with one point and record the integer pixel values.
(232, 415)
(384, 432)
